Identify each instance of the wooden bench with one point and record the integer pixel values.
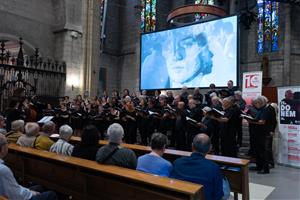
(84, 179)
(3, 198)
(239, 180)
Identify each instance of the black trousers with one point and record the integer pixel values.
(215, 140)
(228, 143)
(130, 128)
(252, 150)
(180, 139)
(142, 126)
(240, 132)
(269, 148)
(261, 152)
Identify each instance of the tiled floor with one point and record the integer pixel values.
(283, 183)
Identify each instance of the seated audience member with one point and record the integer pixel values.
(153, 162)
(198, 169)
(9, 187)
(113, 153)
(62, 146)
(88, 146)
(2, 125)
(17, 129)
(31, 132)
(43, 142)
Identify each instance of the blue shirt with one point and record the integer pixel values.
(198, 169)
(9, 187)
(153, 164)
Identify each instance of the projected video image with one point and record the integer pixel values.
(192, 56)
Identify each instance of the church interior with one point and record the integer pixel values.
(149, 99)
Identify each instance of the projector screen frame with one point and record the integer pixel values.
(236, 83)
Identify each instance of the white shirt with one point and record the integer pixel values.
(9, 187)
(62, 147)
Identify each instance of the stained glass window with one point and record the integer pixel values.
(148, 15)
(199, 16)
(268, 22)
(102, 2)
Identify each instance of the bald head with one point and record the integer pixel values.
(201, 143)
(3, 146)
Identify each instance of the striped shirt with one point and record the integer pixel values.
(62, 147)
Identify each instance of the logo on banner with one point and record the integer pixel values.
(252, 81)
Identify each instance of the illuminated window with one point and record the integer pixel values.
(268, 23)
(148, 15)
(207, 2)
(102, 4)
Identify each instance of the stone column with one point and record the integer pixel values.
(68, 43)
(91, 46)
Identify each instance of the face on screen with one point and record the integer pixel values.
(192, 56)
(187, 55)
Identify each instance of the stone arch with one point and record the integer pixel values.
(27, 46)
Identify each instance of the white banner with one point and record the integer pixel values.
(289, 125)
(252, 85)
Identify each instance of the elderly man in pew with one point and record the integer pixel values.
(9, 187)
(198, 169)
(31, 132)
(17, 129)
(62, 146)
(113, 153)
(153, 162)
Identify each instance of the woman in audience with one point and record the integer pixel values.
(43, 142)
(88, 146)
(62, 146)
(17, 129)
(153, 162)
(31, 132)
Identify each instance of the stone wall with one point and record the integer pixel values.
(53, 26)
(31, 19)
(295, 47)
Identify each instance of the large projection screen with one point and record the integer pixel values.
(193, 56)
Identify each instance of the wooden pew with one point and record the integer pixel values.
(3, 198)
(84, 179)
(239, 180)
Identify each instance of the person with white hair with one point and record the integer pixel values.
(62, 146)
(10, 187)
(128, 117)
(17, 129)
(197, 95)
(43, 142)
(228, 127)
(113, 153)
(31, 132)
(262, 126)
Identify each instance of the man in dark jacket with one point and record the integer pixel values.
(113, 153)
(198, 169)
